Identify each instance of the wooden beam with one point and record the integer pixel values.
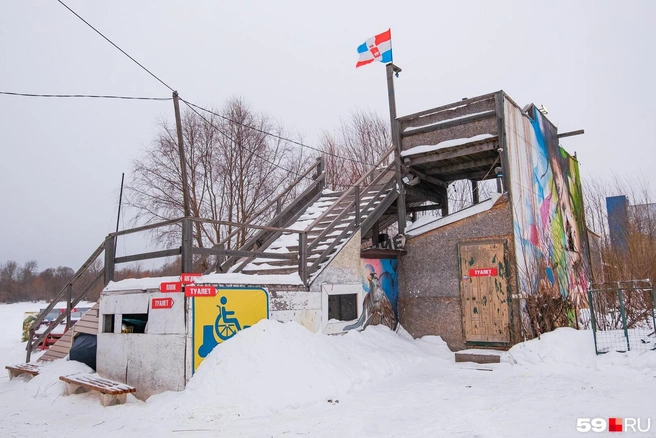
(148, 255)
(239, 253)
(422, 175)
(451, 168)
(424, 193)
(571, 133)
(462, 151)
(439, 109)
(410, 131)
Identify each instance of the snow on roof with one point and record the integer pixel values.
(226, 278)
(444, 144)
(430, 223)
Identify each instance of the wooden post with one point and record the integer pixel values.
(183, 161)
(396, 138)
(475, 195)
(302, 257)
(109, 259)
(69, 296)
(187, 237)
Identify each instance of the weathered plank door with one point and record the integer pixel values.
(484, 292)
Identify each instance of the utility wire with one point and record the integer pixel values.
(112, 43)
(92, 96)
(191, 104)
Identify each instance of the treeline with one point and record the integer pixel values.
(27, 283)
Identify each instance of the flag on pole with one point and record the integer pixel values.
(377, 48)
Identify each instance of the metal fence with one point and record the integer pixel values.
(622, 316)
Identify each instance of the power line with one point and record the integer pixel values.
(91, 96)
(112, 43)
(204, 109)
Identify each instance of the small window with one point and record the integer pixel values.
(108, 323)
(134, 322)
(343, 307)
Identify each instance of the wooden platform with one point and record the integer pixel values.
(22, 368)
(478, 356)
(111, 392)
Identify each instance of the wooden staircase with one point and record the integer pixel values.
(319, 228)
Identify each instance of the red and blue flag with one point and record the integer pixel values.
(377, 48)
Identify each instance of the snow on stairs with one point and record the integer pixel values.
(288, 243)
(87, 324)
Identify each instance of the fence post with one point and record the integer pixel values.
(592, 321)
(109, 259)
(186, 250)
(302, 257)
(623, 314)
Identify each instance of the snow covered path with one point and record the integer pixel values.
(275, 380)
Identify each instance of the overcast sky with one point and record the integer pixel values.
(590, 63)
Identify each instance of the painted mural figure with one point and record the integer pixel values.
(376, 307)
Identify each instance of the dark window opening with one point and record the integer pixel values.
(134, 322)
(108, 323)
(343, 307)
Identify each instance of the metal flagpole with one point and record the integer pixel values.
(396, 139)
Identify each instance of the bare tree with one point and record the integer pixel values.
(352, 149)
(236, 161)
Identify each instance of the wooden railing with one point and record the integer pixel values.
(372, 184)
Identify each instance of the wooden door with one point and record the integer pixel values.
(484, 292)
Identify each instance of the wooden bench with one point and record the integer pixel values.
(111, 393)
(22, 368)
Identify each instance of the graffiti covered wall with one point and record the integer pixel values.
(387, 272)
(548, 217)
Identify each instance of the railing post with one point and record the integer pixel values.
(187, 254)
(69, 296)
(109, 259)
(592, 320)
(357, 206)
(278, 206)
(302, 257)
(320, 170)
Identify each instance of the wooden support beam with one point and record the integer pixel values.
(446, 124)
(462, 151)
(452, 168)
(148, 255)
(571, 133)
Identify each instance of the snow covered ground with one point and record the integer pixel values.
(280, 380)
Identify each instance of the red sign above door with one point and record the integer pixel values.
(161, 303)
(484, 272)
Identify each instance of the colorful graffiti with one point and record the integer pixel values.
(380, 282)
(218, 318)
(549, 222)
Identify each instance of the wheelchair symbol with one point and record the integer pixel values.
(226, 326)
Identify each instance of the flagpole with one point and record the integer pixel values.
(396, 139)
